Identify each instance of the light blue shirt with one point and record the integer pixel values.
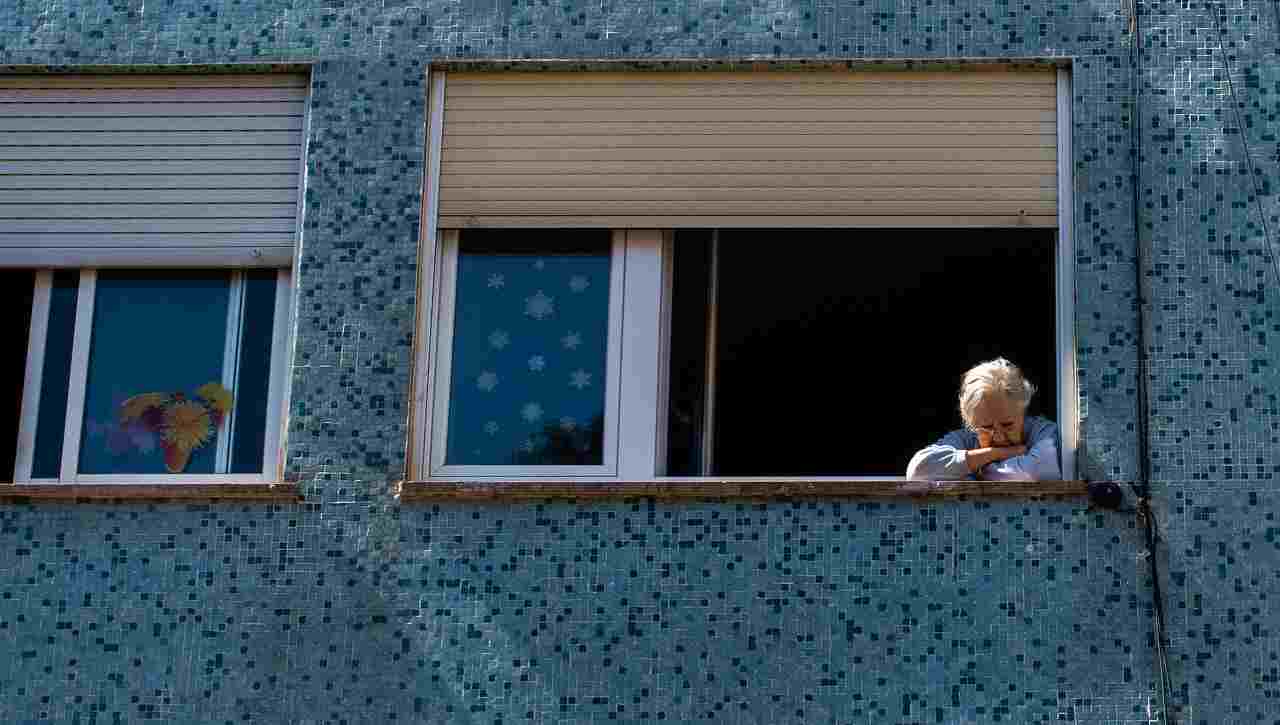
(944, 460)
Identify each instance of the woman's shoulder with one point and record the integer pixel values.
(960, 438)
(1038, 427)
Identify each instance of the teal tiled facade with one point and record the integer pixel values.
(354, 608)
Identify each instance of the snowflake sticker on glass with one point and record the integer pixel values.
(530, 337)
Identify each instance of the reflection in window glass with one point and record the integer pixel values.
(530, 338)
(250, 416)
(158, 399)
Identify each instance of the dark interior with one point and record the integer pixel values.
(840, 351)
(16, 288)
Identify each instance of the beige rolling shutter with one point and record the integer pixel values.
(150, 169)
(769, 149)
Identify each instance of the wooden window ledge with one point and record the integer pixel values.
(282, 492)
(669, 488)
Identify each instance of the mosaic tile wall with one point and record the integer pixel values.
(351, 608)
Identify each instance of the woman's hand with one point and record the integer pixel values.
(976, 458)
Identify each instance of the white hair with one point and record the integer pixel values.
(993, 376)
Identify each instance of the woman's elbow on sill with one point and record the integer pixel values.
(938, 463)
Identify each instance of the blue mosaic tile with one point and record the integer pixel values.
(351, 608)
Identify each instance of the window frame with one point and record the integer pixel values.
(277, 388)
(441, 373)
(647, 460)
(630, 381)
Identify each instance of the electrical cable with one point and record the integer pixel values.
(1147, 518)
(1142, 490)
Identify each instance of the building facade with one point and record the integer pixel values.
(351, 604)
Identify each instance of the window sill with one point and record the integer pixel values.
(732, 488)
(282, 492)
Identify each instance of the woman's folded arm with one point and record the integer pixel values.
(1039, 463)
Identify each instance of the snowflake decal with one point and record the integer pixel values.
(531, 412)
(487, 381)
(571, 341)
(539, 306)
(492, 427)
(537, 363)
(497, 281)
(529, 446)
(580, 379)
(568, 425)
(579, 283)
(499, 339)
(540, 265)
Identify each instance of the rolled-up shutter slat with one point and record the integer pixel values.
(38, 172)
(160, 179)
(662, 150)
(94, 127)
(454, 158)
(150, 169)
(132, 137)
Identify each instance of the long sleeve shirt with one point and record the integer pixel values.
(945, 460)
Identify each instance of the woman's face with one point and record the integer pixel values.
(997, 421)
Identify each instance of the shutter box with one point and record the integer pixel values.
(734, 149)
(110, 170)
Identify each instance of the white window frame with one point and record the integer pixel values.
(643, 402)
(72, 431)
(635, 271)
(1065, 289)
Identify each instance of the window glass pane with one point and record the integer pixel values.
(254, 372)
(154, 401)
(530, 338)
(56, 374)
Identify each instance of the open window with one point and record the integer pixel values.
(813, 352)
(811, 261)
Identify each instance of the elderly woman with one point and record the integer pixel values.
(999, 442)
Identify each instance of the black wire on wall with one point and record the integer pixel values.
(1142, 487)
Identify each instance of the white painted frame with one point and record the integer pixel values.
(441, 368)
(1065, 293)
(641, 419)
(78, 379)
(32, 380)
(231, 342)
(423, 380)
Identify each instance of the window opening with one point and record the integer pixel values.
(839, 352)
(17, 286)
